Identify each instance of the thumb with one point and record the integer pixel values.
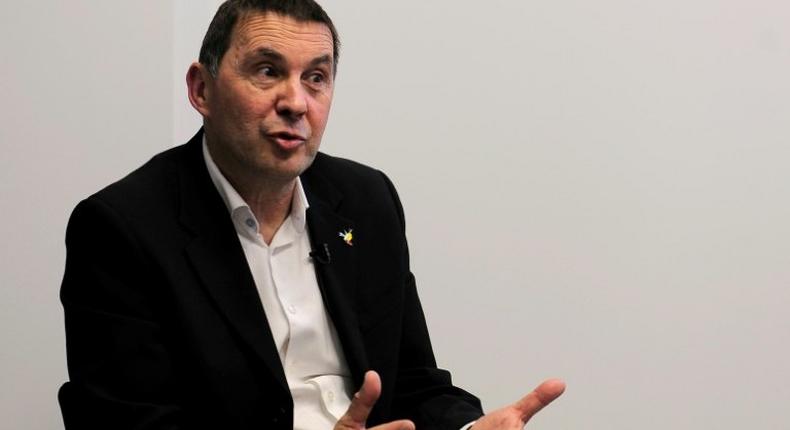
(362, 402)
(541, 396)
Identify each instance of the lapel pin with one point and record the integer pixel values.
(347, 236)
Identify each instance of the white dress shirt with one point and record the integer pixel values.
(306, 340)
(305, 336)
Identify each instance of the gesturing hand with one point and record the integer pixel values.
(514, 417)
(362, 403)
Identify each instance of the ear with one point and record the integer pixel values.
(198, 82)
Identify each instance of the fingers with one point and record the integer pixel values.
(395, 425)
(364, 399)
(533, 402)
(361, 405)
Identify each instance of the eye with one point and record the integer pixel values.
(317, 78)
(267, 70)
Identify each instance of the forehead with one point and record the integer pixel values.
(281, 33)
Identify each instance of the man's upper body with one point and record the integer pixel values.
(172, 322)
(304, 335)
(165, 324)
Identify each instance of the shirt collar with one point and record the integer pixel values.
(243, 218)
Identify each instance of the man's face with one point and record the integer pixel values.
(269, 103)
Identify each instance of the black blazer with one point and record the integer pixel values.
(165, 329)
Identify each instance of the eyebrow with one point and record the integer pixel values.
(269, 53)
(280, 58)
(324, 59)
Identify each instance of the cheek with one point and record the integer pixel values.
(245, 105)
(250, 106)
(319, 115)
(245, 117)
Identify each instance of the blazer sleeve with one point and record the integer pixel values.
(424, 392)
(121, 373)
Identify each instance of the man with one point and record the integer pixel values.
(245, 280)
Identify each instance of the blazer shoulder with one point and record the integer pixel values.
(342, 168)
(146, 196)
(361, 187)
(147, 184)
(348, 176)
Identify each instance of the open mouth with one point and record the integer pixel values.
(287, 140)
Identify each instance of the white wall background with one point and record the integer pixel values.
(594, 190)
(85, 96)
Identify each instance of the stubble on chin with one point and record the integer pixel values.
(280, 166)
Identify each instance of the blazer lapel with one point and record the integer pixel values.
(219, 260)
(336, 277)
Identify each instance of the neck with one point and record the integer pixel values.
(268, 196)
(271, 204)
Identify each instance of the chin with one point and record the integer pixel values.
(288, 169)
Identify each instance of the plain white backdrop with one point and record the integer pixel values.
(593, 190)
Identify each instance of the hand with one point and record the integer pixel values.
(515, 416)
(362, 403)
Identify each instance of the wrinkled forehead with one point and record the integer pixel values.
(255, 31)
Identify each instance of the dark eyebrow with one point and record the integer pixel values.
(269, 53)
(324, 59)
(280, 58)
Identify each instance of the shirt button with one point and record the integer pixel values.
(292, 309)
(250, 222)
(331, 396)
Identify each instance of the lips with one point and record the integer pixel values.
(286, 140)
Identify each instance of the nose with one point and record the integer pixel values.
(292, 100)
